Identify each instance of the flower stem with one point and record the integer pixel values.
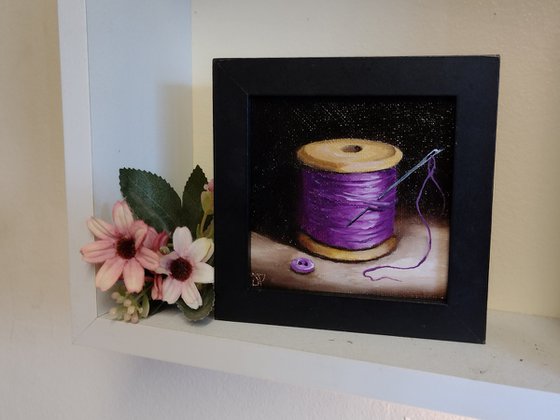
(202, 223)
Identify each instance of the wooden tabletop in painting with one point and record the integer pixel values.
(270, 266)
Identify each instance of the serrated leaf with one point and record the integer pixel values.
(199, 314)
(151, 198)
(192, 207)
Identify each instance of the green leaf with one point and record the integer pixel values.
(208, 296)
(145, 306)
(151, 198)
(157, 306)
(192, 207)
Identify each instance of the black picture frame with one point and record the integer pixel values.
(472, 80)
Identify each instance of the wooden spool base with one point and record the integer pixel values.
(337, 254)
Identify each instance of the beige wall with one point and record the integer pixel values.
(32, 215)
(44, 376)
(524, 274)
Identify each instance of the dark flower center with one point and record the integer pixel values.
(126, 248)
(180, 269)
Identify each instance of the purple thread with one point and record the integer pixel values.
(429, 176)
(330, 200)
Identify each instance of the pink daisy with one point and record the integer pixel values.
(120, 247)
(185, 267)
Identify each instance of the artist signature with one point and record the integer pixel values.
(257, 279)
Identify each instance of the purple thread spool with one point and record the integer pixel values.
(340, 178)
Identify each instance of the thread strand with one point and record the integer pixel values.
(330, 199)
(430, 176)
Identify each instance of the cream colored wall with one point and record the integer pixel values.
(524, 273)
(42, 375)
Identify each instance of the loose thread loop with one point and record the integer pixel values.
(430, 176)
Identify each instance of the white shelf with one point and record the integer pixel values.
(515, 375)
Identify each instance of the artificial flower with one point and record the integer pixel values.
(130, 306)
(209, 186)
(155, 241)
(121, 249)
(185, 267)
(157, 288)
(207, 198)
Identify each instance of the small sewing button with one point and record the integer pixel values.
(302, 265)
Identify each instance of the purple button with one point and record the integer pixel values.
(302, 265)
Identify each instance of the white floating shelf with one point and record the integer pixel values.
(515, 375)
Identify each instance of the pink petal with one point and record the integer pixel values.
(150, 238)
(155, 240)
(109, 273)
(161, 240)
(191, 295)
(138, 230)
(165, 261)
(202, 273)
(98, 251)
(171, 289)
(201, 250)
(101, 229)
(182, 240)
(147, 258)
(133, 274)
(122, 217)
(157, 293)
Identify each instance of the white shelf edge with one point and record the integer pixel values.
(77, 154)
(369, 379)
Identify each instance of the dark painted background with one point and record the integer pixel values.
(278, 126)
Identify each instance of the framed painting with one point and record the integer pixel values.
(355, 193)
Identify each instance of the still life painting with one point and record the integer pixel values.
(351, 194)
(355, 193)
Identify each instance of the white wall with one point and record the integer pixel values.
(140, 84)
(42, 375)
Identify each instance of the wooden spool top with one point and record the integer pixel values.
(349, 155)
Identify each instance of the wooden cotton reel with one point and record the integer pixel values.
(344, 156)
